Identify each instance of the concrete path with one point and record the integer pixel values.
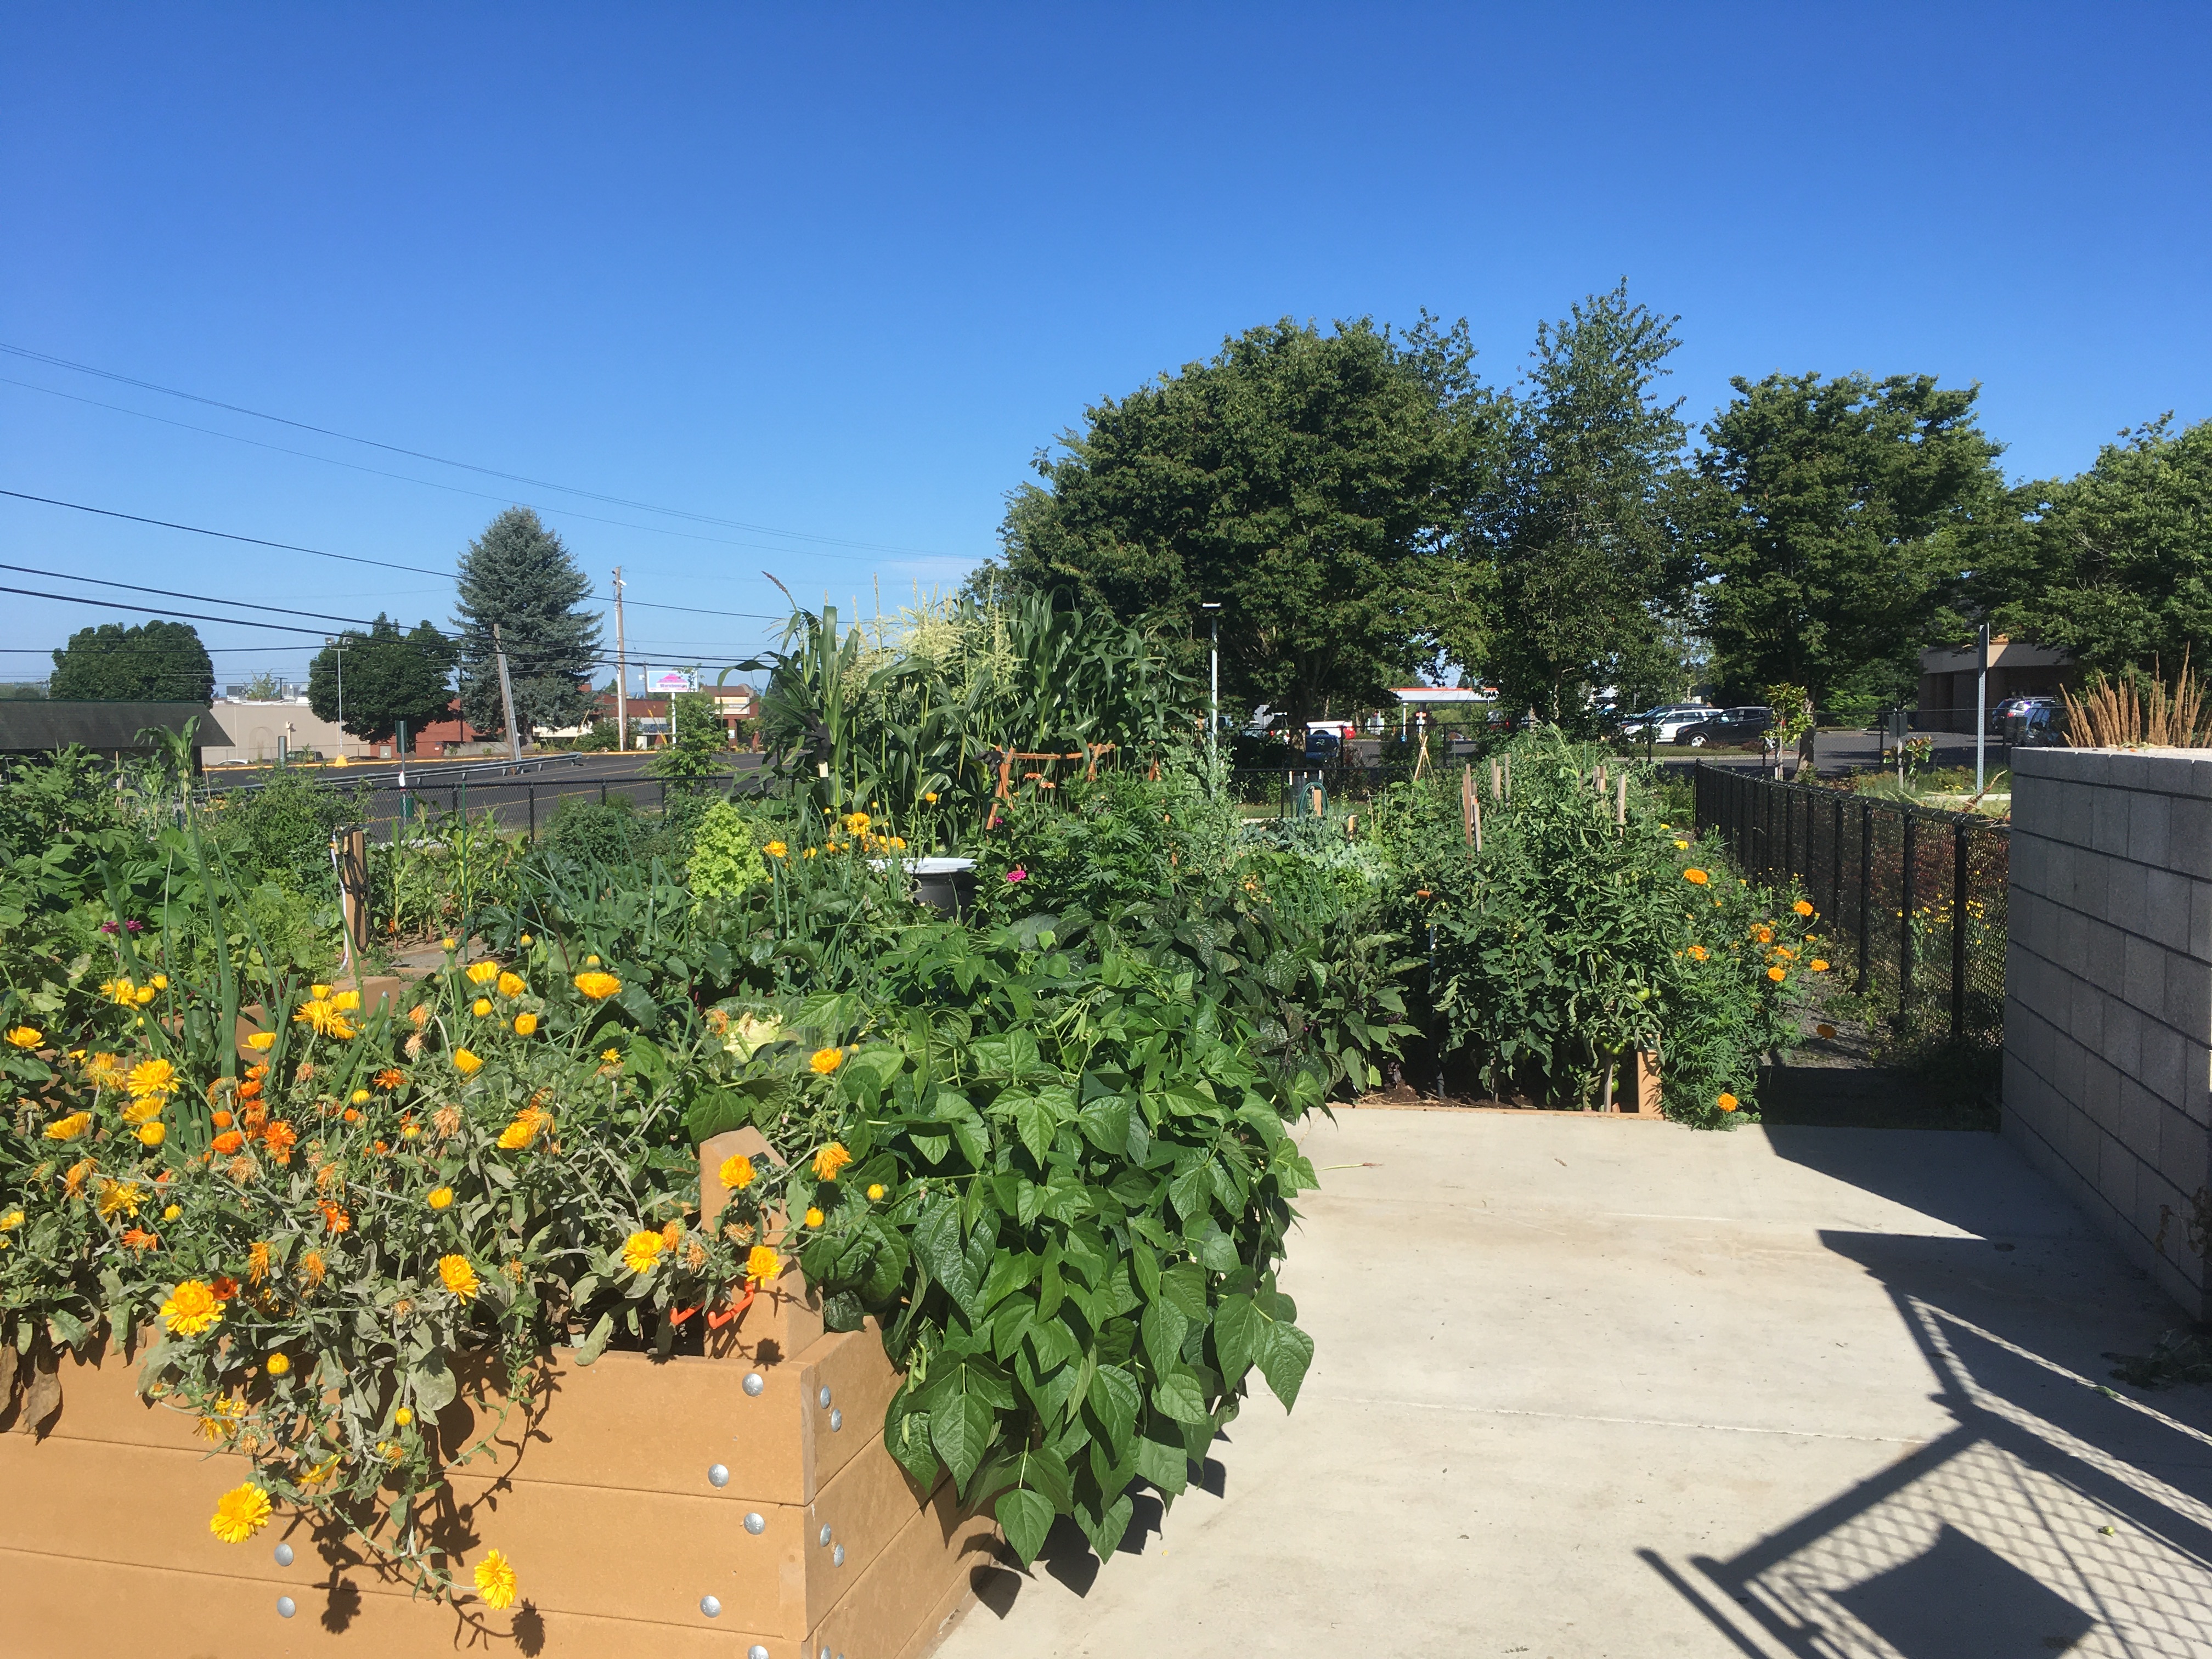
(1592, 1387)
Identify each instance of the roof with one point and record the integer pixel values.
(1437, 694)
(2003, 654)
(35, 727)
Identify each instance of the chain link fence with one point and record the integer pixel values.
(1912, 899)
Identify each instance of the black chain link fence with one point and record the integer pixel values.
(1912, 900)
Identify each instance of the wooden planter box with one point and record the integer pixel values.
(605, 1501)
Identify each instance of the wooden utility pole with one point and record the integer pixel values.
(507, 697)
(622, 672)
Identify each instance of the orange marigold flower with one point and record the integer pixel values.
(335, 1218)
(829, 1160)
(225, 1286)
(223, 1120)
(229, 1142)
(389, 1079)
(1803, 908)
(826, 1061)
(1777, 975)
(459, 1276)
(1819, 965)
(1699, 953)
(1727, 1102)
(279, 1138)
(312, 1268)
(1696, 878)
(139, 1239)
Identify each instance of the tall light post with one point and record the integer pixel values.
(1214, 698)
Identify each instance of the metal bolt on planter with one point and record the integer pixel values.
(756, 1652)
(285, 1609)
(754, 1383)
(756, 1523)
(836, 1421)
(824, 1397)
(718, 1475)
(711, 1606)
(825, 1537)
(837, 1556)
(283, 1555)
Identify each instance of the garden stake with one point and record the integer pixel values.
(1620, 804)
(1496, 789)
(1467, 802)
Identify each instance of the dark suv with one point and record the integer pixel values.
(1743, 725)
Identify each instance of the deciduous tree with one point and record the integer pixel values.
(386, 676)
(146, 662)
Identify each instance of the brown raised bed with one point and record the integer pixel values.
(604, 1499)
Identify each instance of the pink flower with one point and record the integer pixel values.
(1017, 874)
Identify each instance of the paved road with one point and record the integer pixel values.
(1598, 1389)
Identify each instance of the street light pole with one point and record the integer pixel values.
(622, 672)
(1213, 697)
(1982, 712)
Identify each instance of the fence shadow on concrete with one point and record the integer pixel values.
(2056, 1516)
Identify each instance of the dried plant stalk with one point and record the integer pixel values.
(2111, 715)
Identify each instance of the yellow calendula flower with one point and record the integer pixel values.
(466, 1063)
(116, 1198)
(361, 1096)
(525, 1024)
(641, 1249)
(277, 1364)
(26, 1036)
(829, 1160)
(511, 984)
(814, 1218)
(152, 1077)
(809, 853)
(104, 1072)
(192, 1308)
(239, 1513)
(262, 1041)
(403, 1417)
(480, 1007)
(322, 1471)
(611, 1056)
(449, 944)
(482, 973)
(597, 986)
(521, 1133)
(776, 849)
(153, 1134)
(875, 1192)
(826, 1061)
(458, 1277)
(121, 992)
(737, 1172)
(495, 1581)
(762, 1264)
(10, 1222)
(325, 1017)
(929, 796)
(440, 1197)
(318, 992)
(69, 1128)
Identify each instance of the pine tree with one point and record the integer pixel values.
(518, 574)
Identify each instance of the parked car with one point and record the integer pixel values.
(2017, 706)
(2041, 725)
(1322, 745)
(1660, 725)
(1742, 724)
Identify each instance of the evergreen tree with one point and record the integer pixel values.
(147, 662)
(519, 576)
(370, 682)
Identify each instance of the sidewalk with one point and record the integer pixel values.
(1595, 1387)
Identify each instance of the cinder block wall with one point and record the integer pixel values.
(2108, 995)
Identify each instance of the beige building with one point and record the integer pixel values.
(260, 731)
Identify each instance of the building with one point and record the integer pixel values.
(111, 730)
(2017, 669)
(648, 715)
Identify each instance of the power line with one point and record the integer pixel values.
(349, 558)
(169, 593)
(465, 466)
(405, 477)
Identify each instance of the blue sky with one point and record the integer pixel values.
(836, 273)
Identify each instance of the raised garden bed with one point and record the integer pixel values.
(740, 1501)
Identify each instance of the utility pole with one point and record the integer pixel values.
(1982, 712)
(507, 697)
(622, 672)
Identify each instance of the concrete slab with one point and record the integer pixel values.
(1594, 1387)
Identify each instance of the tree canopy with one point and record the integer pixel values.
(146, 662)
(1584, 531)
(1842, 513)
(1316, 485)
(519, 576)
(2114, 565)
(370, 682)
